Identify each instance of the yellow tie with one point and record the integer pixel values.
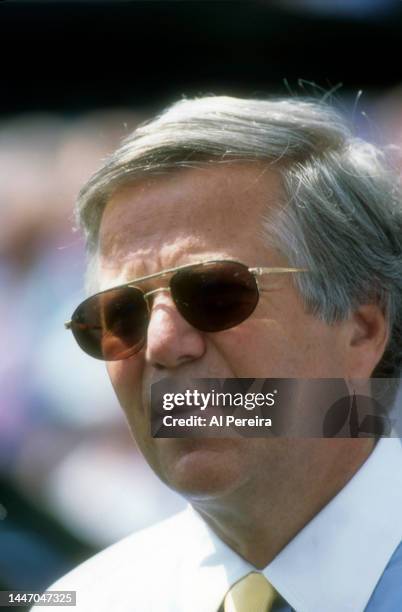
(253, 593)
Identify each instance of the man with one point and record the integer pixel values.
(281, 184)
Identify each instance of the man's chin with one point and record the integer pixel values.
(199, 467)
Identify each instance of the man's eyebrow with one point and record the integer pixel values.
(128, 265)
(144, 277)
(149, 277)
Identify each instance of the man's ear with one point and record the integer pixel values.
(367, 338)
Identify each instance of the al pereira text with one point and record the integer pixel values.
(215, 421)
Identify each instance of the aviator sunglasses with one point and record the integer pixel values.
(212, 296)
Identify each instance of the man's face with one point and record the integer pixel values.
(184, 217)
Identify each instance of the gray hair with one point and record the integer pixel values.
(342, 209)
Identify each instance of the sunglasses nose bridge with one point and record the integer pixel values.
(159, 290)
(257, 282)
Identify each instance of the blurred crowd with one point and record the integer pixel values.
(63, 438)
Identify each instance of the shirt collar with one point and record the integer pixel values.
(336, 560)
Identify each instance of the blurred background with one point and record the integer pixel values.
(77, 77)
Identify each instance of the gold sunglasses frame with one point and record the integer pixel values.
(258, 271)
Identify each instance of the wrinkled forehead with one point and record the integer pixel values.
(202, 207)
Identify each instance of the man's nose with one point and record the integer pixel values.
(171, 341)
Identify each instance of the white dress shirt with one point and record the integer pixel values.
(178, 565)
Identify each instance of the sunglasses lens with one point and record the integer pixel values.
(215, 296)
(112, 324)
